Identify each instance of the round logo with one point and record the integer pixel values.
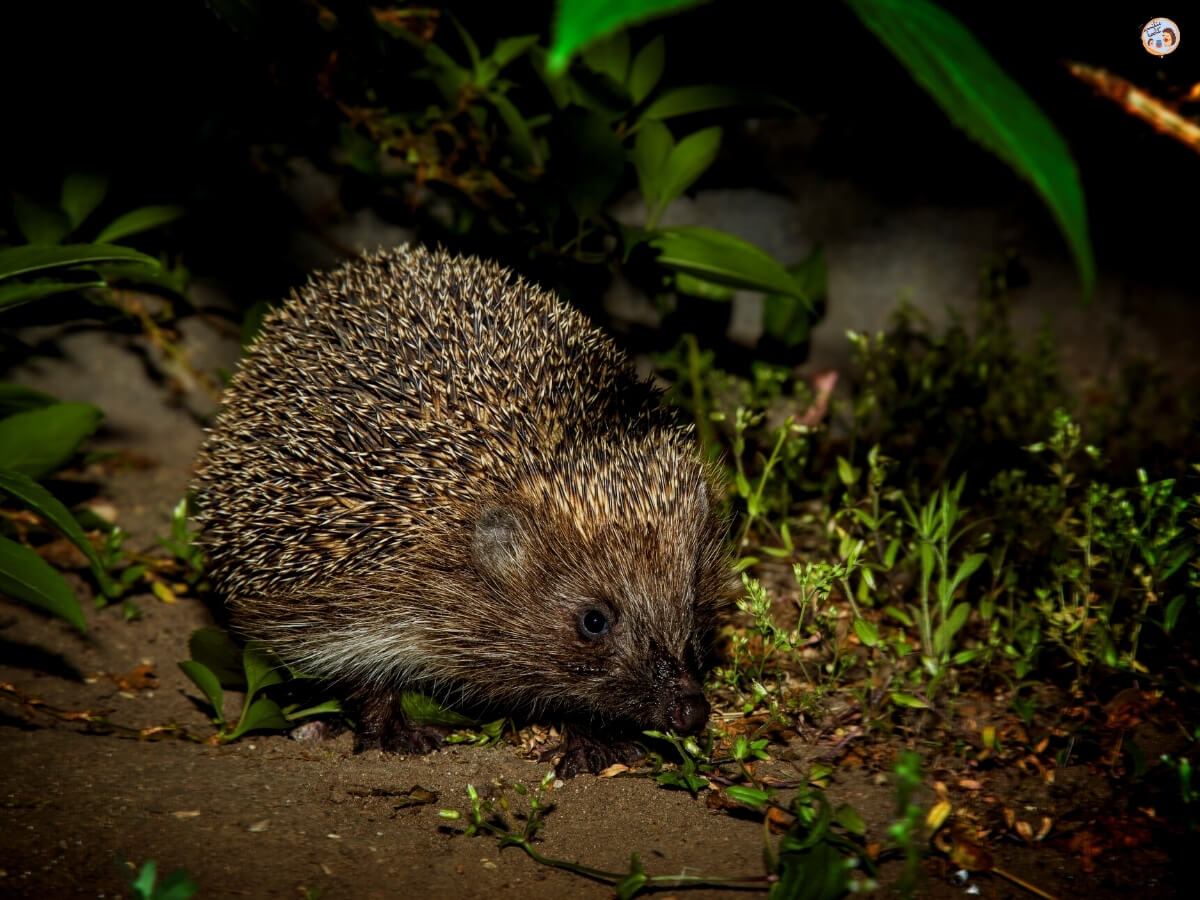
(1160, 36)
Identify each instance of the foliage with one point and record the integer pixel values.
(38, 435)
(217, 664)
(494, 146)
(176, 886)
(945, 59)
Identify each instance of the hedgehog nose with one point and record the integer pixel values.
(689, 712)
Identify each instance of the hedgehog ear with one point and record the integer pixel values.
(497, 548)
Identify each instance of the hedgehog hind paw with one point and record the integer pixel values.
(585, 752)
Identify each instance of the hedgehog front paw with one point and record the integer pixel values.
(584, 752)
(403, 737)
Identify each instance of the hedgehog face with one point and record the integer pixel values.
(621, 616)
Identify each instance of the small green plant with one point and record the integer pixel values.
(142, 882)
(217, 664)
(907, 832)
(515, 827)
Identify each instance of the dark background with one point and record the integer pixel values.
(181, 105)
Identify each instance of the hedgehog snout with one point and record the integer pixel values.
(689, 713)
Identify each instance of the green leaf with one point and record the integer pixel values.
(589, 160)
(216, 651)
(17, 292)
(647, 69)
(723, 258)
(847, 816)
(263, 668)
(943, 637)
(517, 127)
(902, 699)
(1174, 609)
(695, 98)
(752, 797)
(40, 441)
(946, 60)
(143, 885)
(687, 161)
(579, 22)
(509, 49)
(867, 632)
(46, 505)
(81, 194)
(698, 287)
(177, 886)
(651, 148)
(629, 885)
(26, 576)
(204, 679)
(424, 709)
(789, 319)
(610, 57)
(28, 258)
(139, 220)
(966, 569)
(328, 706)
(263, 714)
(40, 224)
(16, 398)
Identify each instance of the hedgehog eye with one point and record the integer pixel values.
(593, 624)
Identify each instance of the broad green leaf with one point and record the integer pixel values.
(38, 442)
(263, 714)
(979, 97)
(27, 258)
(138, 220)
(651, 148)
(647, 69)
(867, 632)
(789, 319)
(81, 194)
(1174, 609)
(610, 57)
(217, 652)
(46, 505)
(701, 97)
(16, 398)
(589, 158)
(698, 287)
(580, 22)
(204, 679)
(40, 224)
(753, 797)
(263, 668)
(687, 161)
(424, 709)
(899, 615)
(26, 576)
(17, 292)
(716, 256)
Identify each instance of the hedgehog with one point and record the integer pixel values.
(431, 475)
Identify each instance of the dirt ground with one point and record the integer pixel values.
(272, 817)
